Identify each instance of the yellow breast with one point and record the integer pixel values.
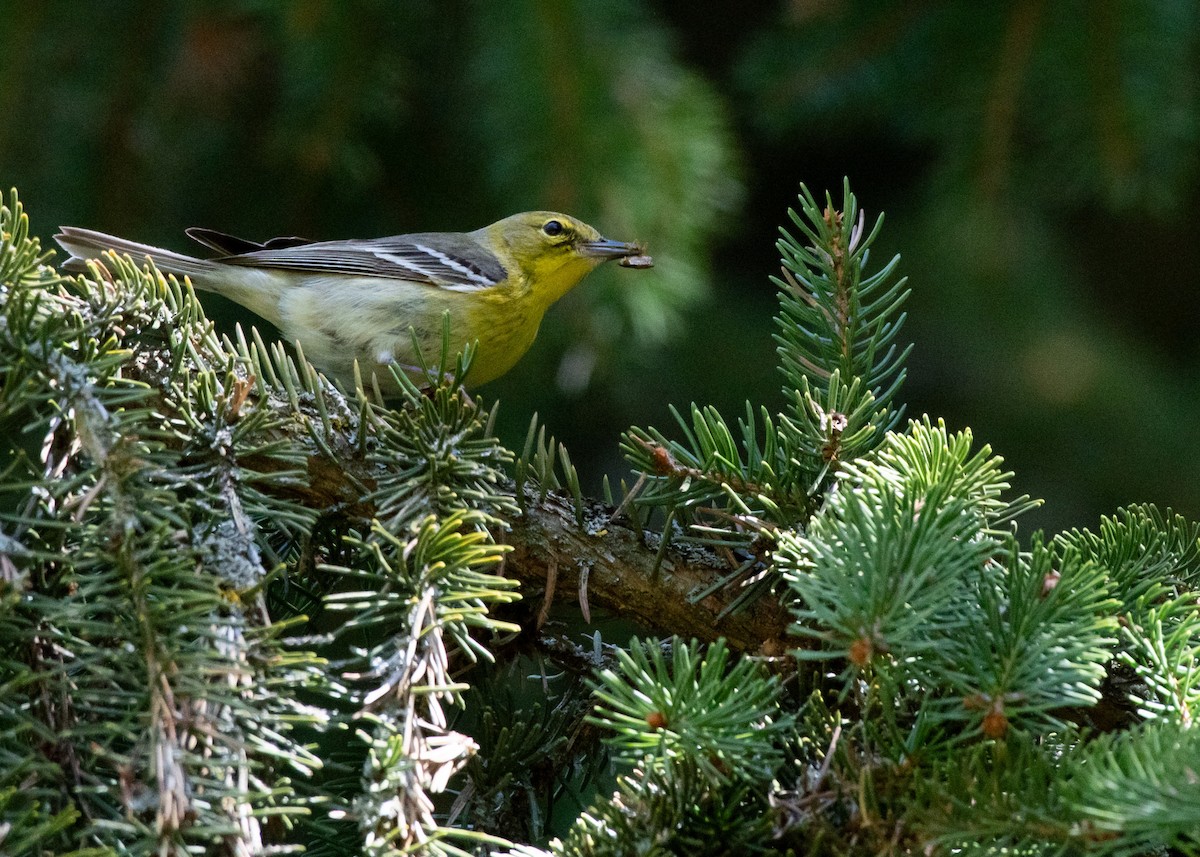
(505, 327)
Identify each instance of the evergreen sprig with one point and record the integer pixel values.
(838, 330)
(1136, 791)
(716, 465)
(700, 709)
(1148, 553)
(1152, 560)
(675, 811)
(1040, 630)
(26, 827)
(420, 589)
(136, 653)
(834, 317)
(436, 451)
(882, 571)
(1162, 646)
(904, 576)
(1119, 794)
(540, 464)
(439, 569)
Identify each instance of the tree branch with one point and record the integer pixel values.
(620, 565)
(621, 576)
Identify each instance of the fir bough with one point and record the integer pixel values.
(958, 672)
(838, 326)
(141, 681)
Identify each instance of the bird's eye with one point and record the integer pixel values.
(553, 227)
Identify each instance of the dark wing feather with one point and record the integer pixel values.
(455, 262)
(231, 245)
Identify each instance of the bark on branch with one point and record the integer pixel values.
(618, 562)
(621, 577)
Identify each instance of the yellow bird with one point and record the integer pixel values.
(364, 299)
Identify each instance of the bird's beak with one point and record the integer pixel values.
(606, 249)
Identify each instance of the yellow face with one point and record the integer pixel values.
(554, 251)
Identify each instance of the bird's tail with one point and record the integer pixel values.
(85, 244)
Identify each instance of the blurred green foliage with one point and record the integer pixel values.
(1038, 163)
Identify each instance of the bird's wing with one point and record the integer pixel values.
(454, 262)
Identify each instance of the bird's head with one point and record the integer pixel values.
(554, 251)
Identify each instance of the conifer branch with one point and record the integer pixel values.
(621, 575)
(620, 559)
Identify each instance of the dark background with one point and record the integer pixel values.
(1038, 163)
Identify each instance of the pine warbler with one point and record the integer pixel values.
(364, 300)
